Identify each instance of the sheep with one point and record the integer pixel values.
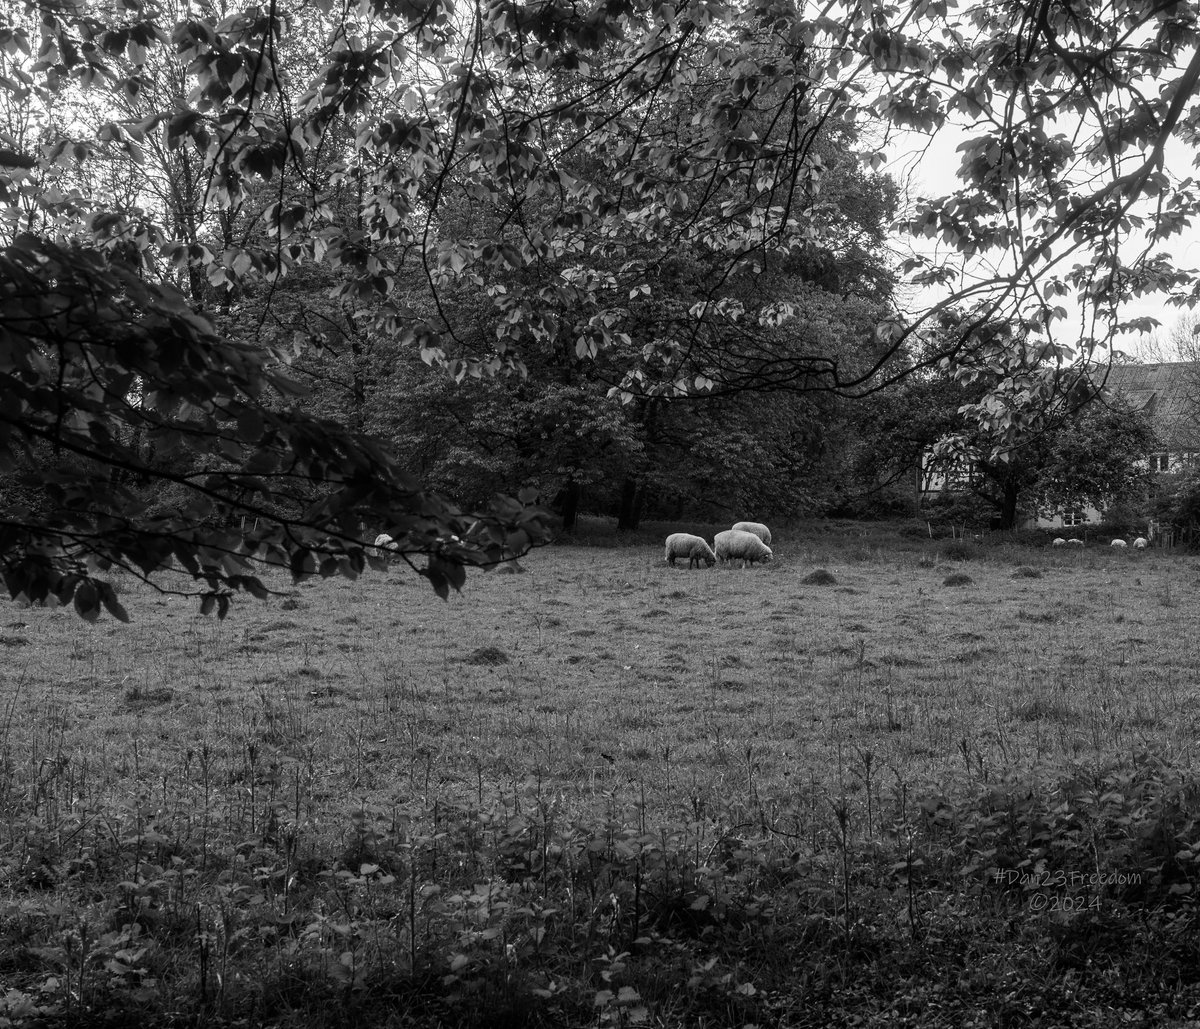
(1118, 543)
(1141, 543)
(759, 530)
(683, 544)
(1074, 542)
(734, 543)
(384, 543)
(1058, 542)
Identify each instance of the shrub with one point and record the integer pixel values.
(959, 510)
(961, 550)
(1178, 502)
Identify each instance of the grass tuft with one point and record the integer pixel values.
(1036, 616)
(486, 656)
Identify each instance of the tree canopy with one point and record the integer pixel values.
(477, 184)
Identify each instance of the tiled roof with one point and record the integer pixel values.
(1169, 395)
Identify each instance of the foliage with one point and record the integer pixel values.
(555, 164)
(1082, 447)
(1095, 458)
(1177, 499)
(135, 434)
(959, 510)
(122, 376)
(521, 911)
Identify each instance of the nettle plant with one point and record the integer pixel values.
(520, 907)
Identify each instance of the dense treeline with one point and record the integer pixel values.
(646, 243)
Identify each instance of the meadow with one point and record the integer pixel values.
(834, 789)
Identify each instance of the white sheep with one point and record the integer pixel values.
(684, 544)
(1074, 542)
(384, 543)
(1141, 543)
(759, 530)
(1118, 543)
(734, 543)
(1058, 542)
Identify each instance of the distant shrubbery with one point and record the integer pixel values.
(963, 510)
(1177, 502)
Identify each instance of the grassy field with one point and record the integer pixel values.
(335, 775)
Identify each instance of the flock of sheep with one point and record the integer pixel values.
(746, 540)
(1141, 543)
(749, 542)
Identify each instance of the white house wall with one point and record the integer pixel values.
(1091, 516)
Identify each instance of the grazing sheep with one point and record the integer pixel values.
(759, 530)
(1118, 543)
(1074, 543)
(384, 543)
(1141, 543)
(1058, 542)
(734, 543)
(684, 544)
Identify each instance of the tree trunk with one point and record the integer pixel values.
(358, 386)
(567, 504)
(639, 504)
(633, 497)
(1008, 507)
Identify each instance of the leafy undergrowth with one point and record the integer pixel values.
(1062, 903)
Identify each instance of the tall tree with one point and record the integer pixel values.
(598, 140)
(1082, 448)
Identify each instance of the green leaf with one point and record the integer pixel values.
(87, 600)
(108, 598)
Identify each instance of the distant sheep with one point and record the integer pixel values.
(1074, 543)
(684, 544)
(734, 543)
(1141, 543)
(384, 543)
(1118, 543)
(759, 530)
(1058, 542)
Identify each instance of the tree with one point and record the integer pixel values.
(122, 377)
(597, 140)
(1084, 448)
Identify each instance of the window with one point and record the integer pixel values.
(1160, 462)
(958, 475)
(1074, 516)
(946, 474)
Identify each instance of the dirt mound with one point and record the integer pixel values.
(486, 656)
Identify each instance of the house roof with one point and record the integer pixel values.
(1168, 394)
